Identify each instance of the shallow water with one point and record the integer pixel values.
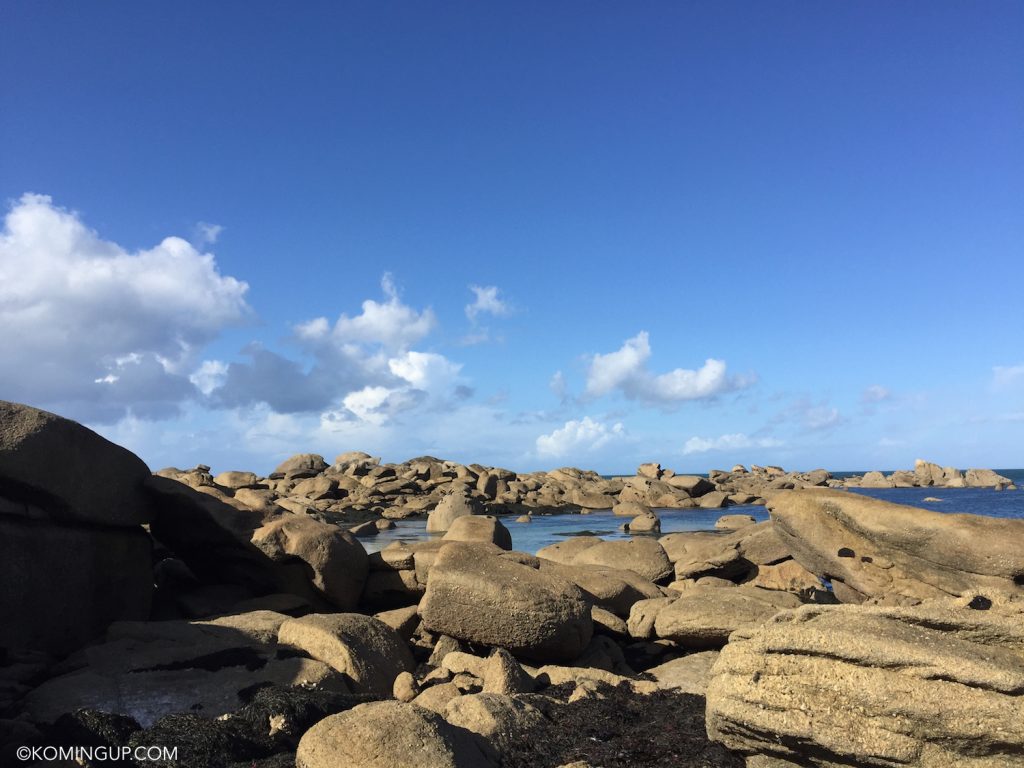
(548, 529)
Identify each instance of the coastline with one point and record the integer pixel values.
(239, 619)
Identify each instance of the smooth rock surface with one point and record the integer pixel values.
(391, 734)
(704, 617)
(451, 507)
(486, 528)
(643, 556)
(69, 470)
(612, 588)
(147, 670)
(689, 674)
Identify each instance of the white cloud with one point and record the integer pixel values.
(370, 404)
(424, 380)
(361, 353)
(1007, 376)
(732, 442)
(313, 330)
(576, 437)
(93, 330)
(390, 324)
(487, 302)
(209, 375)
(427, 371)
(876, 393)
(625, 370)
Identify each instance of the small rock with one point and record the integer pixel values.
(405, 687)
(365, 529)
(503, 674)
(650, 523)
(732, 522)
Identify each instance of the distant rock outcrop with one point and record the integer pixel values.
(929, 475)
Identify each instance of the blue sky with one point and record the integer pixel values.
(527, 234)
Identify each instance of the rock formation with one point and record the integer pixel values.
(939, 684)
(272, 638)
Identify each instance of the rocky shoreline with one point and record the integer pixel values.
(239, 620)
(358, 488)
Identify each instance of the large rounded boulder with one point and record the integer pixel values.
(336, 561)
(645, 557)
(68, 470)
(391, 734)
(366, 650)
(300, 466)
(452, 507)
(73, 554)
(486, 528)
(476, 595)
(704, 617)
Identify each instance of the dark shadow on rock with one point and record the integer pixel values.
(211, 537)
(89, 728)
(622, 730)
(264, 732)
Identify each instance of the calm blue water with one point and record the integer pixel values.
(548, 529)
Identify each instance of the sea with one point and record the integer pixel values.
(549, 529)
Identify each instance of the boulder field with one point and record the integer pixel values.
(239, 619)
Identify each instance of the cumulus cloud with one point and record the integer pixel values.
(390, 324)
(578, 437)
(358, 368)
(210, 375)
(378, 405)
(94, 330)
(426, 371)
(487, 302)
(425, 379)
(625, 371)
(731, 442)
